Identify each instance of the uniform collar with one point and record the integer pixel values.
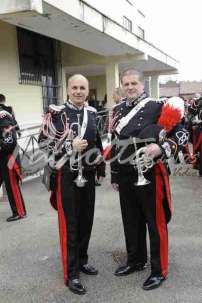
(73, 106)
(136, 100)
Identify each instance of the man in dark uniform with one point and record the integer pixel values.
(9, 109)
(75, 204)
(195, 111)
(9, 166)
(140, 122)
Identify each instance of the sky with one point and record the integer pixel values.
(175, 27)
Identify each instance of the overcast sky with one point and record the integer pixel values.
(175, 27)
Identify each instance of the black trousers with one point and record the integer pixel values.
(11, 181)
(141, 205)
(134, 221)
(75, 215)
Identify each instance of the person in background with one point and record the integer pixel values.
(195, 111)
(10, 110)
(9, 166)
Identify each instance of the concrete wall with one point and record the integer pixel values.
(13, 6)
(74, 56)
(25, 99)
(72, 6)
(123, 8)
(9, 6)
(98, 83)
(86, 14)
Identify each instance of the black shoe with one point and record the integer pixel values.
(15, 218)
(127, 269)
(153, 282)
(97, 183)
(76, 287)
(88, 269)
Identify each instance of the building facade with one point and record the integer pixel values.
(184, 89)
(43, 42)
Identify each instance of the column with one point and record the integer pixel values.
(112, 81)
(154, 85)
(64, 85)
(147, 86)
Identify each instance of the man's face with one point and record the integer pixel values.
(78, 90)
(132, 86)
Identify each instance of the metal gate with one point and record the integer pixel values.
(50, 91)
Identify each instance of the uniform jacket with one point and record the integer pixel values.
(145, 127)
(9, 109)
(91, 135)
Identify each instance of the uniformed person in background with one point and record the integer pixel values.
(157, 128)
(9, 166)
(195, 112)
(10, 110)
(75, 204)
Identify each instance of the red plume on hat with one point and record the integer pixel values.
(172, 113)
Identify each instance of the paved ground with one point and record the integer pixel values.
(30, 268)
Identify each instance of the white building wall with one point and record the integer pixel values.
(72, 6)
(14, 5)
(116, 11)
(25, 99)
(81, 11)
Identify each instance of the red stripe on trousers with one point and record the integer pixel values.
(62, 227)
(197, 143)
(12, 164)
(165, 179)
(187, 151)
(161, 223)
(16, 192)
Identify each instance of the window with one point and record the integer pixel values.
(36, 57)
(39, 58)
(140, 32)
(127, 24)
